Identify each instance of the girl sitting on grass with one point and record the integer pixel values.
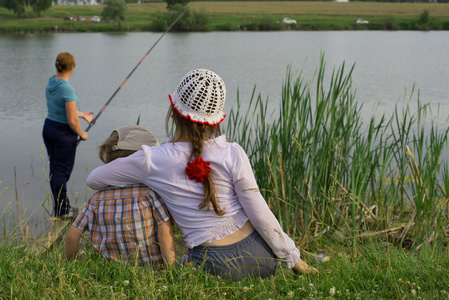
(208, 186)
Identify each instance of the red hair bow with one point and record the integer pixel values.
(198, 170)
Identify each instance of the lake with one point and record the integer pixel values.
(387, 66)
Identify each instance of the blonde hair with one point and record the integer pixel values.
(106, 153)
(196, 133)
(65, 62)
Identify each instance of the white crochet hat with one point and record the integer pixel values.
(200, 97)
(132, 137)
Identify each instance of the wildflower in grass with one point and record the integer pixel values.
(290, 294)
(126, 282)
(245, 289)
(400, 281)
(413, 292)
(312, 287)
(164, 288)
(332, 291)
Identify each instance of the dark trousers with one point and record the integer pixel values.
(60, 141)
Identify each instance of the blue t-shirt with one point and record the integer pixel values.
(58, 93)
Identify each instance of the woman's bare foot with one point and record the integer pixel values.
(303, 268)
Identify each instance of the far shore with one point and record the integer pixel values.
(240, 15)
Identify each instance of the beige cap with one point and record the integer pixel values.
(132, 137)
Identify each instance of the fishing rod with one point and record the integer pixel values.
(129, 75)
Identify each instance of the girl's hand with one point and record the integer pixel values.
(303, 268)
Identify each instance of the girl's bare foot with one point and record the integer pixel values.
(303, 268)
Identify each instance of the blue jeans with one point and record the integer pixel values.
(250, 257)
(60, 141)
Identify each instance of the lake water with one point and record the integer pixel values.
(388, 64)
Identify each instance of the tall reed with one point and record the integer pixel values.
(323, 168)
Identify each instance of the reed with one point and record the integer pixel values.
(322, 168)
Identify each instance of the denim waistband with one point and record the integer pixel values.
(232, 247)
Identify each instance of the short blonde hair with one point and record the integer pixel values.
(106, 152)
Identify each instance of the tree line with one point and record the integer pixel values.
(114, 10)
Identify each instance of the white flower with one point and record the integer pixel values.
(164, 288)
(126, 282)
(332, 291)
(413, 292)
(290, 294)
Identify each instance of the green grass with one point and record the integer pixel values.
(379, 272)
(238, 15)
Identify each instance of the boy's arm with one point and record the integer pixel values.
(166, 240)
(72, 242)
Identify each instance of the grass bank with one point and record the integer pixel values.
(378, 272)
(243, 15)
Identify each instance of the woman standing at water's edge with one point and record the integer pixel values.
(61, 130)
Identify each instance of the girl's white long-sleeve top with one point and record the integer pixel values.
(162, 168)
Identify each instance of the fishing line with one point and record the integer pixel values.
(129, 75)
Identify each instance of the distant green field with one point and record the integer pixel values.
(250, 15)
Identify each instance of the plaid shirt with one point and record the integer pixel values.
(123, 223)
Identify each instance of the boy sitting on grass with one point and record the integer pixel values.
(128, 223)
